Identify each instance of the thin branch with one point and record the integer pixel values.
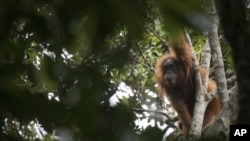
(158, 36)
(143, 57)
(233, 89)
(231, 79)
(156, 112)
(169, 121)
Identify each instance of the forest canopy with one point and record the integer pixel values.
(83, 70)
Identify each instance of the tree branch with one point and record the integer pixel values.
(144, 58)
(223, 119)
(151, 30)
(235, 24)
(156, 112)
(200, 102)
(205, 62)
(217, 58)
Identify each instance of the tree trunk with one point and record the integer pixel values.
(236, 27)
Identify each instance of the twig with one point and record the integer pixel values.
(143, 57)
(151, 30)
(157, 112)
(232, 90)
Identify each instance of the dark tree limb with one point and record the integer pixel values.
(233, 18)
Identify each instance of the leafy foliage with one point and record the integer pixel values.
(62, 61)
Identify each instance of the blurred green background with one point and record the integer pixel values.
(62, 60)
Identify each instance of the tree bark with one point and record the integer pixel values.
(205, 61)
(217, 56)
(236, 27)
(221, 125)
(200, 101)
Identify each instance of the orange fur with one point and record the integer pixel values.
(182, 94)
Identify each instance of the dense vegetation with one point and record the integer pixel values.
(63, 63)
